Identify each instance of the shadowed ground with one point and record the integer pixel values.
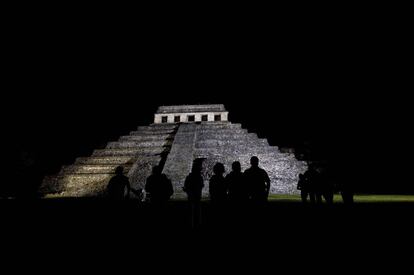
(282, 233)
(357, 198)
(283, 213)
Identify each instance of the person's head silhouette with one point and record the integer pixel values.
(236, 167)
(197, 167)
(156, 170)
(219, 169)
(254, 161)
(119, 170)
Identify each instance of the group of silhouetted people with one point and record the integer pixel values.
(253, 184)
(317, 187)
(237, 187)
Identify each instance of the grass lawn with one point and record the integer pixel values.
(357, 198)
(296, 198)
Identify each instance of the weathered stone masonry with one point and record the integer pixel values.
(175, 145)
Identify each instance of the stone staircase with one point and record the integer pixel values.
(180, 160)
(138, 153)
(174, 147)
(227, 142)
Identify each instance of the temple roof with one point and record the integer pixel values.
(191, 109)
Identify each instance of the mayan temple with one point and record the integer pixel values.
(178, 136)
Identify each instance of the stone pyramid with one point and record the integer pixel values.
(178, 136)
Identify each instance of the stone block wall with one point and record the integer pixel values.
(138, 153)
(158, 118)
(226, 142)
(175, 146)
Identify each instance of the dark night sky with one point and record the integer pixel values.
(77, 83)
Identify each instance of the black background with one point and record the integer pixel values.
(329, 78)
(324, 78)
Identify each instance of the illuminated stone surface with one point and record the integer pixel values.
(176, 145)
(185, 111)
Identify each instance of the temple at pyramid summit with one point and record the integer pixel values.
(178, 136)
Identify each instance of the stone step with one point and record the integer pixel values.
(128, 151)
(225, 136)
(145, 138)
(222, 131)
(270, 157)
(106, 160)
(247, 151)
(83, 185)
(152, 132)
(213, 126)
(263, 142)
(98, 165)
(158, 127)
(241, 154)
(137, 144)
(92, 169)
(232, 143)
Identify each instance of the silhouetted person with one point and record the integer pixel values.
(158, 186)
(193, 186)
(312, 178)
(217, 186)
(327, 188)
(303, 186)
(117, 184)
(317, 187)
(347, 192)
(257, 181)
(237, 189)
